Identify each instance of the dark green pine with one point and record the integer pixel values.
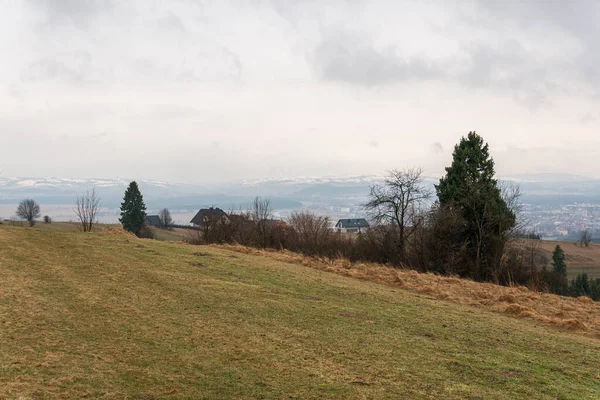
(133, 209)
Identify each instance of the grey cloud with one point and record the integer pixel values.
(84, 138)
(351, 59)
(588, 118)
(510, 68)
(71, 67)
(172, 22)
(212, 64)
(72, 9)
(174, 111)
(577, 19)
(494, 56)
(437, 148)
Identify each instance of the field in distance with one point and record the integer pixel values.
(579, 259)
(113, 316)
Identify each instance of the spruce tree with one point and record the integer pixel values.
(559, 266)
(470, 188)
(133, 209)
(559, 282)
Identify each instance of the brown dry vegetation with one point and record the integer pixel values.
(577, 314)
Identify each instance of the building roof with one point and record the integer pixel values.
(153, 220)
(352, 223)
(208, 213)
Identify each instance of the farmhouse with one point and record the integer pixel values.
(353, 225)
(208, 214)
(153, 220)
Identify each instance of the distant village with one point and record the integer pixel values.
(563, 222)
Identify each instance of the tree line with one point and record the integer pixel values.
(465, 227)
(468, 229)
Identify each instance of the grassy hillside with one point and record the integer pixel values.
(109, 316)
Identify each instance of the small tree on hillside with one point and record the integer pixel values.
(86, 208)
(559, 282)
(165, 218)
(398, 202)
(585, 238)
(133, 209)
(29, 210)
(580, 286)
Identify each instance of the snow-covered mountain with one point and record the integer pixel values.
(292, 192)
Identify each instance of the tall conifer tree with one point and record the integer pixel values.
(469, 186)
(133, 209)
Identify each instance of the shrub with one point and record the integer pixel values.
(145, 232)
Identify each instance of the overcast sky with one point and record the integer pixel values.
(206, 91)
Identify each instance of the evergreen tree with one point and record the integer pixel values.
(559, 266)
(469, 187)
(133, 209)
(580, 286)
(559, 282)
(595, 289)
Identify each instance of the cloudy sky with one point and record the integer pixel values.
(206, 91)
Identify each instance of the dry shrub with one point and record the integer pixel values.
(517, 309)
(577, 314)
(116, 231)
(573, 324)
(507, 298)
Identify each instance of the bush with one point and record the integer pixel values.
(145, 232)
(47, 219)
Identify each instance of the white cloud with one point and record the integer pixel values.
(198, 91)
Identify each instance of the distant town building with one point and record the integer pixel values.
(208, 214)
(351, 225)
(153, 220)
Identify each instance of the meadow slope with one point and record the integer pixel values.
(112, 316)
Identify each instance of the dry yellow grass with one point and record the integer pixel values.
(577, 314)
(116, 317)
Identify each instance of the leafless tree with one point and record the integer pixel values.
(399, 201)
(585, 238)
(241, 226)
(165, 218)
(311, 232)
(491, 224)
(86, 208)
(262, 215)
(28, 210)
(511, 194)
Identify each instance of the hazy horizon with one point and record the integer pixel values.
(202, 93)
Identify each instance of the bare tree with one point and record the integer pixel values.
(311, 232)
(165, 218)
(585, 238)
(86, 208)
(399, 201)
(262, 215)
(28, 210)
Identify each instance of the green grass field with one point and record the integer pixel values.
(108, 316)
